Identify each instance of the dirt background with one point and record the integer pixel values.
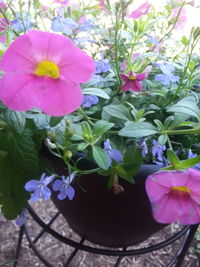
(57, 253)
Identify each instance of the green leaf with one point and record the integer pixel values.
(15, 119)
(138, 129)
(185, 164)
(184, 41)
(122, 172)
(101, 157)
(87, 131)
(55, 120)
(162, 139)
(132, 160)
(118, 111)
(95, 91)
(22, 149)
(186, 106)
(82, 146)
(172, 157)
(101, 127)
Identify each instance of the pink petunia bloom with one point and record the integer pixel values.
(140, 11)
(175, 196)
(103, 6)
(132, 81)
(44, 70)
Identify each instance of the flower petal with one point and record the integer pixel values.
(45, 193)
(32, 185)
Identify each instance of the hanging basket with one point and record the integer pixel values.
(106, 218)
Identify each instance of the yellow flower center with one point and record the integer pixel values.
(47, 68)
(181, 189)
(131, 77)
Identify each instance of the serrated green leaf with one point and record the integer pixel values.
(22, 149)
(101, 157)
(96, 91)
(15, 119)
(138, 129)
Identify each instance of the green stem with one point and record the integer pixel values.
(188, 131)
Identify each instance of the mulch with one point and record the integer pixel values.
(57, 253)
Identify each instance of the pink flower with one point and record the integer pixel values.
(140, 11)
(132, 81)
(103, 6)
(175, 196)
(62, 2)
(182, 19)
(44, 70)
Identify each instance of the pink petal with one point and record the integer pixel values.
(191, 214)
(54, 97)
(141, 10)
(124, 77)
(137, 86)
(127, 86)
(21, 51)
(103, 6)
(60, 97)
(17, 91)
(140, 76)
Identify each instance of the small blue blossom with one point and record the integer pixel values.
(152, 40)
(144, 147)
(193, 155)
(21, 24)
(21, 219)
(64, 25)
(89, 100)
(87, 25)
(113, 154)
(102, 66)
(66, 190)
(97, 79)
(167, 77)
(39, 188)
(157, 150)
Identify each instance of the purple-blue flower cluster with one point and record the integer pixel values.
(102, 66)
(41, 189)
(64, 25)
(157, 150)
(168, 76)
(89, 100)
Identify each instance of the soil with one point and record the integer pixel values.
(57, 253)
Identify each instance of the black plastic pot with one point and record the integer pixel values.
(105, 218)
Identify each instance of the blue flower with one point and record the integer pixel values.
(21, 219)
(102, 66)
(39, 188)
(152, 40)
(113, 154)
(89, 100)
(23, 23)
(192, 155)
(157, 150)
(144, 147)
(87, 25)
(64, 25)
(66, 190)
(167, 76)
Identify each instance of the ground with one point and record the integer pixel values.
(57, 253)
